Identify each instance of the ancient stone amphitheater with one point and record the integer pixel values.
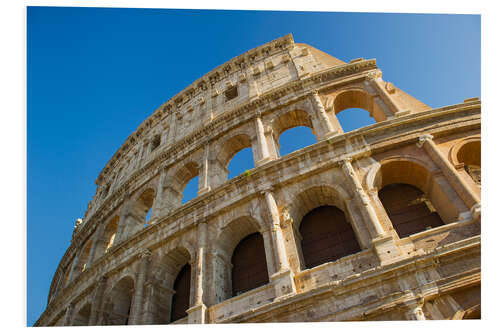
(380, 223)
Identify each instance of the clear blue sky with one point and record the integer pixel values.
(95, 74)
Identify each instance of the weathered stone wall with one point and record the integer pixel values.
(119, 271)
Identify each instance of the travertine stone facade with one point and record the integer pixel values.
(119, 271)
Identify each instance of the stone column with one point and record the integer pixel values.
(382, 243)
(276, 233)
(204, 186)
(282, 278)
(377, 84)
(261, 143)
(329, 130)
(136, 306)
(364, 203)
(463, 189)
(74, 267)
(197, 313)
(95, 244)
(415, 312)
(157, 203)
(68, 316)
(97, 301)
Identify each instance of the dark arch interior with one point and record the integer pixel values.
(118, 309)
(409, 209)
(83, 316)
(470, 155)
(180, 300)
(326, 236)
(249, 264)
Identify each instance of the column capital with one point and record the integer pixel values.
(144, 254)
(424, 138)
(266, 190)
(345, 160)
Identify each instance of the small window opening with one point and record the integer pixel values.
(242, 161)
(231, 93)
(156, 142)
(294, 139)
(190, 191)
(148, 216)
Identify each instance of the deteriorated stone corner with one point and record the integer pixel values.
(380, 223)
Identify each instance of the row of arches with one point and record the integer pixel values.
(411, 199)
(300, 126)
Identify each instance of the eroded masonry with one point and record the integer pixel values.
(380, 223)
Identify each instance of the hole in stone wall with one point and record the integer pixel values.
(148, 216)
(295, 139)
(156, 142)
(191, 190)
(242, 161)
(231, 93)
(354, 118)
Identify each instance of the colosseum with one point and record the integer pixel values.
(379, 223)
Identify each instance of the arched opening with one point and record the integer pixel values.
(354, 118)
(190, 190)
(294, 139)
(170, 297)
(82, 317)
(84, 257)
(297, 136)
(413, 199)
(241, 161)
(119, 301)
(232, 249)
(358, 99)
(180, 299)
(409, 209)
(249, 264)
(326, 236)
(110, 233)
(233, 158)
(470, 155)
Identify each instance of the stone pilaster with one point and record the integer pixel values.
(197, 313)
(364, 203)
(204, 185)
(95, 244)
(377, 84)
(463, 189)
(282, 277)
(97, 301)
(382, 243)
(157, 203)
(319, 108)
(262, 147)
(74, 267)
(68, 316)
(136, 306)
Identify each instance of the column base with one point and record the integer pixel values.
(402, 113)
(284, 284)
(263, 161)
(330, 135)
(204, 190)
(197, 314)
(476, 212)
(386, 249)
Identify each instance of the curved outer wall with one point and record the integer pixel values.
(116, 271)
